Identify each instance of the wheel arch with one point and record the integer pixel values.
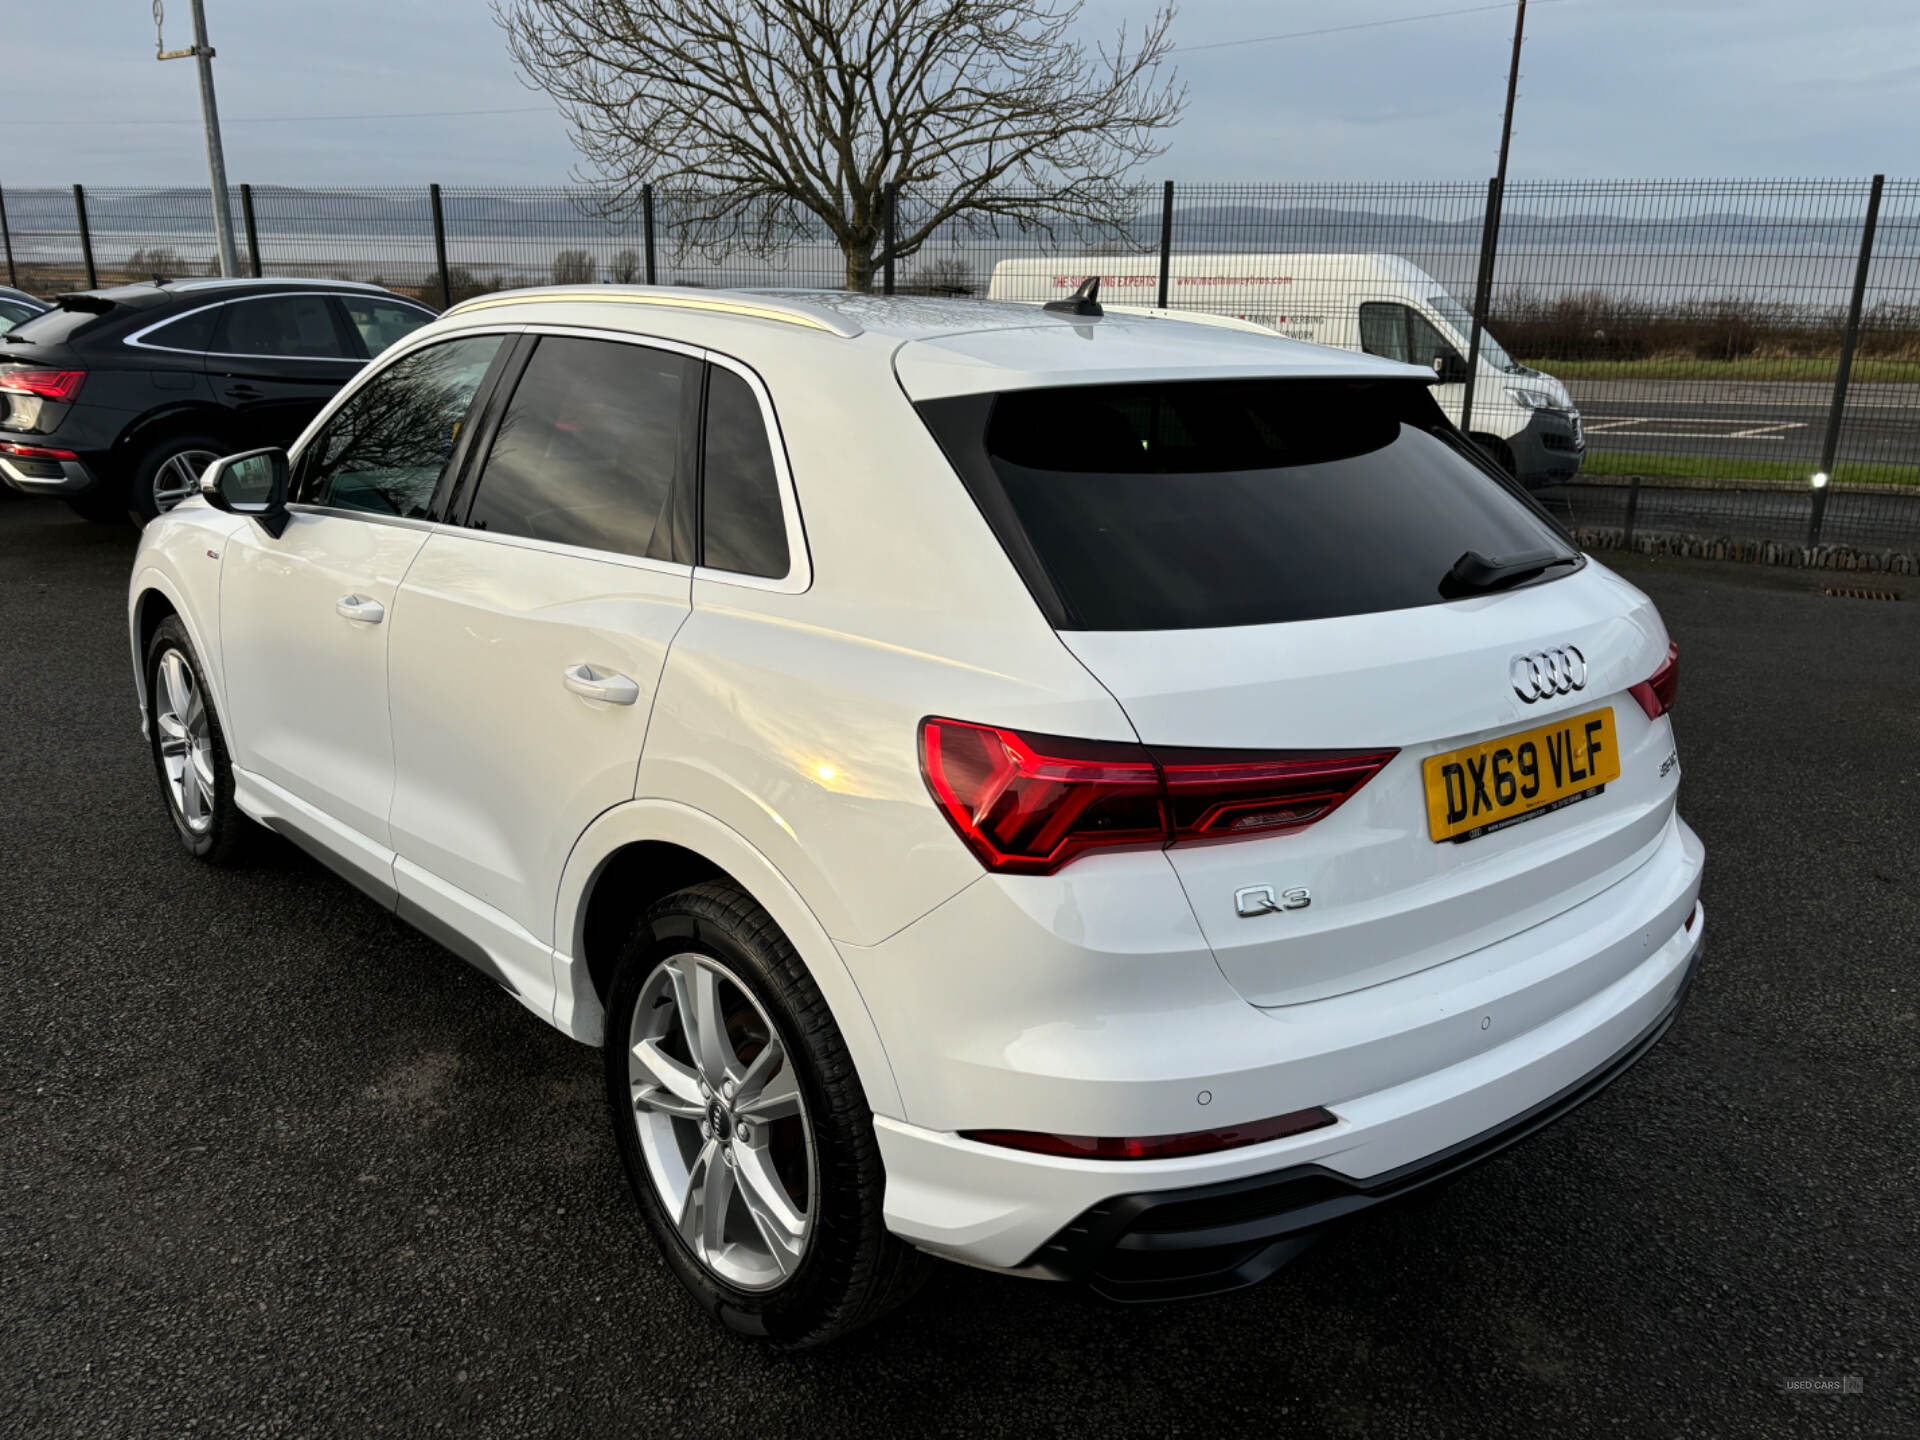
(169, 419)
(634, 854)
(154, 595)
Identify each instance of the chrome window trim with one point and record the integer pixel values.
(372, 517)
(139, 343)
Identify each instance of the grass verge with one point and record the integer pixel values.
(1681, 367)
(1706, 467)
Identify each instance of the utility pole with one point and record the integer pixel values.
(1490, 235)
(210, 118)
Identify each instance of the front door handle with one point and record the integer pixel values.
(367, 612)
(595, 684)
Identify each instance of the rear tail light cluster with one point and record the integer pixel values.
(1656, 692)
(61, 385)
(1156, 1147)
(1027, 804)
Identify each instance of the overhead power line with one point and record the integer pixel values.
(1338, 29)
(548, 109)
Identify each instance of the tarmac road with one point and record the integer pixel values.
(1748, 420)
(272, 1163)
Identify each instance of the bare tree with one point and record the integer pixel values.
(782, 117)
(625, 268)
(573, 267)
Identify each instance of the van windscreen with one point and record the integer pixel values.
(1187, 504)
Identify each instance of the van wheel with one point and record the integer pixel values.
(742, 1126)
(169, 472)
(1497, 450)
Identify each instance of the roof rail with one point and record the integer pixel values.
(755, 307)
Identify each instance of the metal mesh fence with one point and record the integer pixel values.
(1697, 326)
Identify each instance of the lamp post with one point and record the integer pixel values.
(210, 118)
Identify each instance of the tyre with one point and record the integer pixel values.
(743, 1127)
(190, 750)
(168, 472)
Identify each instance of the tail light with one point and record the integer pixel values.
(1027, 804)
(1656, 692)
(61, 385)
(1156, 1147)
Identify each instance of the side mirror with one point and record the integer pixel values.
(252, 483)
(1450, 368)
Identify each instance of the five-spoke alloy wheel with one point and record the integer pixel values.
(746, 1136)
(185, 741)
(722, 1122)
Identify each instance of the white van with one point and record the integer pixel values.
(1382, 304)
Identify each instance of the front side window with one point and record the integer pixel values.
(288, 327)
(380, 322)
(386, 447)
(742, 527)
(589, 448)
(1425, 344)
(1383, 329)
(1186, 504)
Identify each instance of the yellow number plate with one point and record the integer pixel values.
(1501, 782)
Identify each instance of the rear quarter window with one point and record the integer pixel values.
(1200, 504)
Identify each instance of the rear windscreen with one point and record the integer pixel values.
(1180, 505)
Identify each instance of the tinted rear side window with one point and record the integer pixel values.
(742, 526)
(279, 327)
(1212, 503)
(192, 332)
(589, 448)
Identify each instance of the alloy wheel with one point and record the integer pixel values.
(178, 478)
(186, 741)
(722, 1122)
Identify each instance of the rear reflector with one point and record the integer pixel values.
(61, 385)
(36, 452)
(1656, 692)
(1027, 804)
(1155, 1147)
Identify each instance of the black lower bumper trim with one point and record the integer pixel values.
(1177, 1244)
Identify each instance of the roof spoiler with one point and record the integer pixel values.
(1085, 300)
(91, 301)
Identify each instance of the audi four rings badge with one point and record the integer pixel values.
(1558, 671)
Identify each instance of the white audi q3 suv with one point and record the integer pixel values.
(1093, 797)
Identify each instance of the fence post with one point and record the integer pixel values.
(1830, 446)
(1482, 296)
(440, 248)
(646, 225)
(1166, 239)
(1633, 510)
(86, 236)
(253, 233)
(889, 201)
(7, 234)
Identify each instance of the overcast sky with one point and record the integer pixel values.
(1609, 88)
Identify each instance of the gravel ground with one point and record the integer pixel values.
(273, 1163)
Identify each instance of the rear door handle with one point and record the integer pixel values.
(242, 392)
(595, 684)
(367, 612)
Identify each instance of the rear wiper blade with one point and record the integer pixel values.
(1477, 574)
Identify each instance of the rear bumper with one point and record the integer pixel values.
(1412, 1068)
(1176, 1244)
(45, 477)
